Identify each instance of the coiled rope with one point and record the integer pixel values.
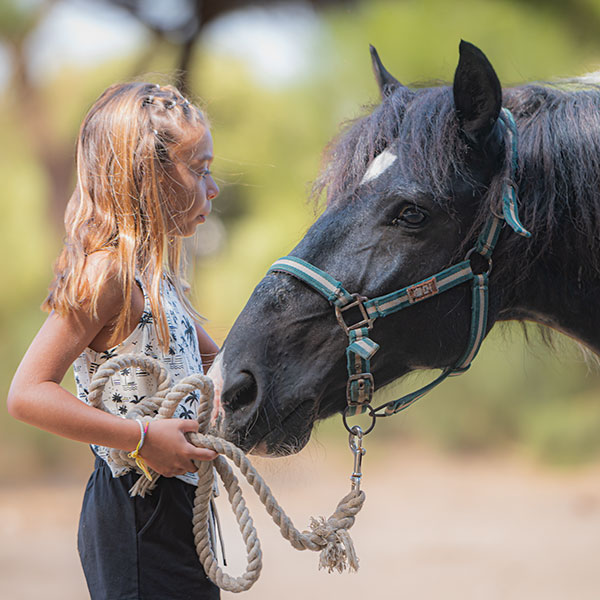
(329, 536)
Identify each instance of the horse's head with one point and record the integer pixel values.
(406, 188)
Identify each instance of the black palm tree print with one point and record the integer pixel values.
(186, 413)
(116, 397)
(193, 397)
(136, 399)
(122, 409)
(190, 332)
(145, 319)
(108, 354)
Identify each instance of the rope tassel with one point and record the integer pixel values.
(338, 553)
(329, 537)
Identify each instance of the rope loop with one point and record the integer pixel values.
(328, 536)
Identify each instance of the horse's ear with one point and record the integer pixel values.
(387, 83)
(477, 93)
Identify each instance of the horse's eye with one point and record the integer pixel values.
(410, 216)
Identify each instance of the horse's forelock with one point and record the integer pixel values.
(347, 156)
(432, 149)
(419, 124)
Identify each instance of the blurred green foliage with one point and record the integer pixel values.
(268, 143)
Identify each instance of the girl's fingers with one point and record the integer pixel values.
(188, 425)
(203, 454)
(197, 453)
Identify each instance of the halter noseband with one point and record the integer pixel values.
(361, 348)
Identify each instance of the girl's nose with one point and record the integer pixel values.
(213, 190)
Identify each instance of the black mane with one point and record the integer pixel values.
(559, 160)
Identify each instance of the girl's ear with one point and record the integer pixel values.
(477, 93)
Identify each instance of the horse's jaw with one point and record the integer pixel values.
(285, 439)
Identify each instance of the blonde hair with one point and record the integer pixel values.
(120, 202)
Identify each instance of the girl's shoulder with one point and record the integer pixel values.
(102, 276)
(100, 265)
(102, 282)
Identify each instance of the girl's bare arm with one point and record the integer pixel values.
(37, 398)
(208, 348)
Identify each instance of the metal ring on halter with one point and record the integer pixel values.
(350, 429)
(487, 258)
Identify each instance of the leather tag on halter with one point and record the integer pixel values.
(422, 291)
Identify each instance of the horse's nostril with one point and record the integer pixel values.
(241, 392)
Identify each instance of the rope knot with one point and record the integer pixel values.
(332, 535)
(338, 549)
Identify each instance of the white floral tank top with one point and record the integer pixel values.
(129, 386)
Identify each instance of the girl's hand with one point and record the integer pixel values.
(167, 450)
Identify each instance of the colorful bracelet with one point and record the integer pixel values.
(139, 461)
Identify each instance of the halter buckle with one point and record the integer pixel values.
(363, 388)
(358, 302)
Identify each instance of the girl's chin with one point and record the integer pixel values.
(190, 230)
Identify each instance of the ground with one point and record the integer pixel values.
(432, 526)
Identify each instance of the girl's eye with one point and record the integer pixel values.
(410, 216)
(203, 173)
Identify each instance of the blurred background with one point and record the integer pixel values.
(505, 457)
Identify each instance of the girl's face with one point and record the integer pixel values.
(190, 185)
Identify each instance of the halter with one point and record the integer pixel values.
(361, 348)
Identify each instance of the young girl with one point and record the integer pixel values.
(143, 184)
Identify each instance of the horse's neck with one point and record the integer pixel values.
(568, 302)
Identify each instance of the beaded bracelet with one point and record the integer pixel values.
(139, 461)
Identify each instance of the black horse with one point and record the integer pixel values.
(409, 187)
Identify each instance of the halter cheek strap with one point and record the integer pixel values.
(361, 348)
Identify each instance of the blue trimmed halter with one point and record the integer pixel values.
(361, 348)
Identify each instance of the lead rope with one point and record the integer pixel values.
(329, 536)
